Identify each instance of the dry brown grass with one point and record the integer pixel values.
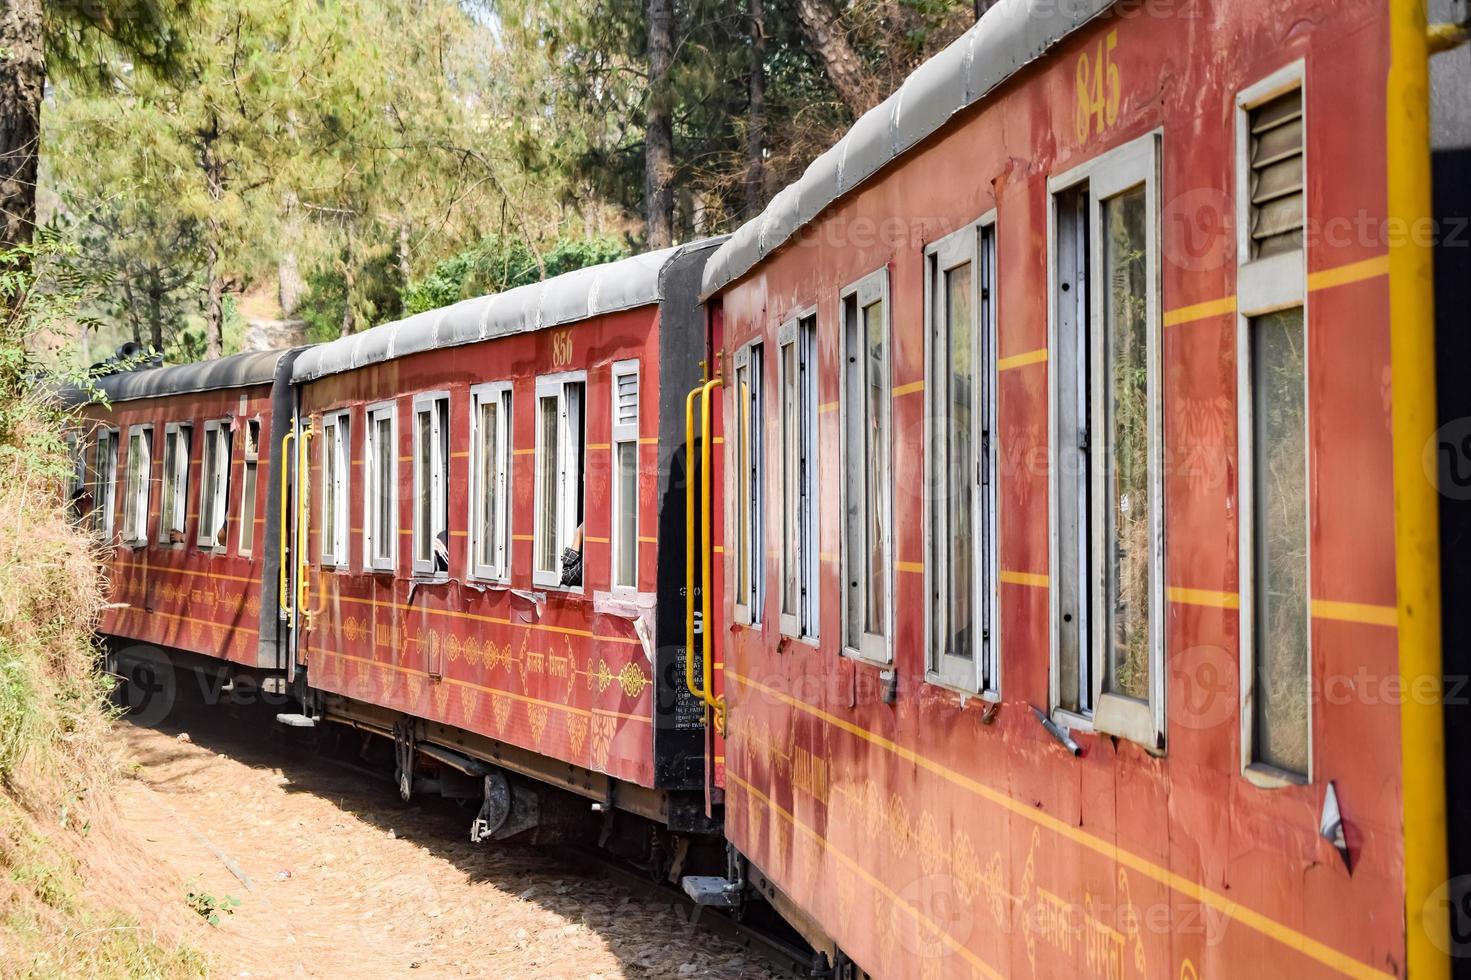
(57, 761)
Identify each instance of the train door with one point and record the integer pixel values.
(703, 573)
(294, 592)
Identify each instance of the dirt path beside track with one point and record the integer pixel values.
(346, 881)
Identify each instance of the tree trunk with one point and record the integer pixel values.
(155, 319)
(349, 280)
(22, 84)
(405, 267)
(290, 287)
(756, 121)
(659, 137)
(844, 68)
(214, 291)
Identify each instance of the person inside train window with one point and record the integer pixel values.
(572, 560)
(441, 552)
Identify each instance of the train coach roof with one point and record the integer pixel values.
(1008, 37)
(236, 371)
(568, 298)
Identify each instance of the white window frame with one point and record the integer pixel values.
(1109, 175)
(501, 394)
(623, 435)
(249, 485)
(980, 673)
(372, 467)
(175, 504)
(429, 401)
(750, 495)
(214, 489)
(1264, 286)
(873, 288)
(565, 471)
(135, 505)
(802, 555)
(334, 552)
(104, 476)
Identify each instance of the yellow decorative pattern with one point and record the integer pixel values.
(536, 714)
(603, 729)
(576, 733)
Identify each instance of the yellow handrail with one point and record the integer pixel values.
(303, 487)
(285, 589)
(706, 547)
(689, 544)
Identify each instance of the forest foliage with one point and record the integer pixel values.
(344, 164)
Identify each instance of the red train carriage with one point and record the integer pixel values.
(451, 461)
(178, 474)
(1072, 440)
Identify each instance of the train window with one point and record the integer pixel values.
(336, 488)
(135, 502)
(962, 536)
(866, 493)
(214, 486)
(750, 596)
(380, 488)
(625, 475)
(251, 457)
(1109, 591)
(104, 475)
(797, 383)
(1272, 404)
(431, 484)
(175, 482)
(560, 472)
(76, 473)
(490, 479)
(1278, 481)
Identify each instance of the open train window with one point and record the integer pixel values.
(104, 476)
(214, 486)
(866, 489)
(1272, 406)
(1108, 550)
(625, 475)
(490, 480)
(336, 488)
(135, 501)
(962, 527)
(750, 594)
(175, 509)
(248, 482)
(380, 488)
(797, 384)
(560, 472)
(76, 477)
(431, 483)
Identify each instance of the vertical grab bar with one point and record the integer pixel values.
(303, 566)
(706, 547)
(284, 599)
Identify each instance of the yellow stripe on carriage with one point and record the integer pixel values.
(1286, 935)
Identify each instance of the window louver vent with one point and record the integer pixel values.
(627, 400)
(1277, 200)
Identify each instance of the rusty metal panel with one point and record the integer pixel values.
(546, 670)
(182, 596)
(938, 837)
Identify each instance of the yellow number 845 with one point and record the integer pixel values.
(1098, 87)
